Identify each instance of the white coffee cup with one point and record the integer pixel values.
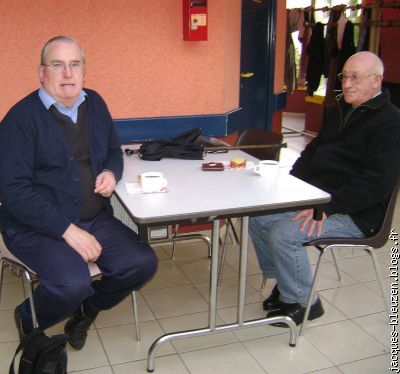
(152, 181)
(267, 168)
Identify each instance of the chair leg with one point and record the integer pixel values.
(379, 278)
(135, 314)
(1, 275)
(230, 224)
(222, 263)
(263, 283)
(336, 266)
(29, 282)
(173, 249)
(174, 243)
(310, 298)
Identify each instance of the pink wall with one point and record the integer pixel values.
(136, 57)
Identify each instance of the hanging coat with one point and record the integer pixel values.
(315, 51)
(348, 49)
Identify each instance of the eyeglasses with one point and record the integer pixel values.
(353, 77)
(59, 67)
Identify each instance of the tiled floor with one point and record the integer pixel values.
(352, 336)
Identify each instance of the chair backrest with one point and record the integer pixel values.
(230, 139)
(376, 241)
(258, 137)
(381, 237)
(4, 252)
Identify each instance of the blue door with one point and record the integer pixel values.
(257, 101)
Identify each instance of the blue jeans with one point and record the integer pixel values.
(279, 246)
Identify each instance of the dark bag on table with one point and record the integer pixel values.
(42, 354)
(183, 146)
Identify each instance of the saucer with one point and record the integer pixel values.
(135, 188)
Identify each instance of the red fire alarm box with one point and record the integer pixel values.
(195, 22)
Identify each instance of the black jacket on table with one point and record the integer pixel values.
(356, 161)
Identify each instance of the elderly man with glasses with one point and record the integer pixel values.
(356, 158)
(60, 160)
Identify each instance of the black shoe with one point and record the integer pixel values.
(77, 327)
(296, 312)
(272, 302)
(23, 327)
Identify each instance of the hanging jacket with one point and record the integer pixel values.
(315, 51)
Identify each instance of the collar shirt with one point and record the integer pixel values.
(72, 112)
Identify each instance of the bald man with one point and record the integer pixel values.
(355, 158)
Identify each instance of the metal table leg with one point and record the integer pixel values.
(213, 300)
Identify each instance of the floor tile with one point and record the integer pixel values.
(169, 302)
(228, 359)
(277, 357)
(252, 311)
(123, 313)
(388, 284)
(168, 275)
(161, 252)
(360, 268)
(99, 370)
(195, 321)
(228, 293)
(171, 364)
(256, 281)
(374, 365)
(8, 330)
(196, 270)
(191, 250)
(91, 356)
(332, 314)
(346, 253)
(355, 300)
(7, 351)
(384, 258)
(332, 370)
(232, 258)
(10, 275)
(121, 345)
(344, 342)
(376, 325)
(12, 294)
(328, 277)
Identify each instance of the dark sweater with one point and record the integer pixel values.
(39, 176)
(357, 162)
(77, 139)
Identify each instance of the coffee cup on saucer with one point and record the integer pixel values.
(267, 168)
(152, 181)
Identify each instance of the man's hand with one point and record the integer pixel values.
(307, 216)
(83, 242)
(105, 183)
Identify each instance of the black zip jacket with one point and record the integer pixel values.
(357, 161)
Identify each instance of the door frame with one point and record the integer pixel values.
(274, 102)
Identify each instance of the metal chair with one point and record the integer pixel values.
(262, 137)
(29, 280)
(256, 137)
(367, 244)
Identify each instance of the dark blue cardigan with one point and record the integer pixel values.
(39, 180)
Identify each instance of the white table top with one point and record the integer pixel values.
(194, 193)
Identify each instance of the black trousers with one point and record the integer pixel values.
(126, 264)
